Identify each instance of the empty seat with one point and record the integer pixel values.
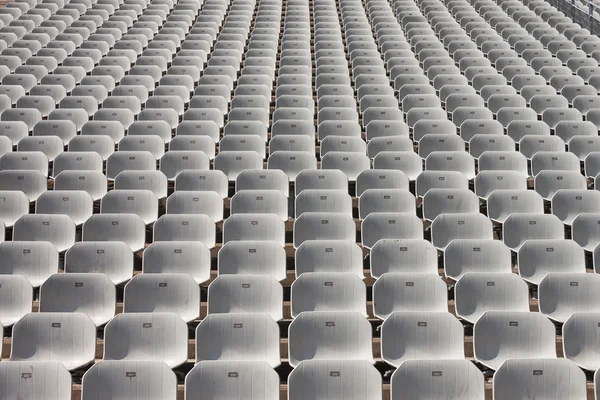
(441, 201)
(520, 227)
(476, 293)
(128, 228)
(228, 337)
(334, 380)
(252, 257)
(324, 335)
(323, 201)
(383, 225)
(146, 337)
(69, 338)
(254, 227)
(246, 294)
(430, 379)
(579, 339)
(567, 204)
(51, 380)
(13, 205)
(113, 259)
(323, 226)
(185, 227)
(562, 294)
(57, 229)
(16, 298)
(150, 380)
(326, 291)
(502, 335)
(92, 294)
(448, 227)
(403, 256)
(421, 336)
(550, 378)
(408, 292)
(585, 230)
(260, 201)
(504, 202)
(196, 202)
(163, 293)
(250, 379)
(329, 256)
(536, 258)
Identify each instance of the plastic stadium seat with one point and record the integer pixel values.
(403, 256)
(320, 179)
(167, 342)
(323, 226)
(329, 338)
(92, 294)
(418, 336)
(196, 202)
(448, 227)
(520, 227)
(254, 227)
(128, 228)
(537, 258)
(185, 227)
(54, 382)
(151, 380)
(165, 292)
(69, 338)
(448, 200)
(16, 295)
(433, 378)
(476, 293)
(335, 380)
(504, 202)
(421, 292)
(323, 201)
(113, 259)
(501, 335)
(559, 377)
(585, 230)
(230, 337)
(252, 257)
(262, 180)
(260, 201)
(562, 294)
(252, 379)
(325, 291)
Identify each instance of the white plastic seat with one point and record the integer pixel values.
(146, 337)
(325, 291)
(329, 337)
(254, 380)
(185, 227)
(334, 380)
(448, 227)
(476, 293)
(57, 229)
(537, 258)
(231, 337)
(128, 228)
(562, 294)
(16, 298)
(246, 294)
(585, 230)
(504, 202)
(568, 204)
(429, 379)
(52, 380)
(520, 227)
(135, 380)
(69, 338)
(92, 294)
(553, 379)
(252, 257)
(421, 336)
(163, 293)
(408, 292)
(254, 227)
(502, 335)
(113, 259)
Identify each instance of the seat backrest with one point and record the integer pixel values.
(476, 293)
(421, 335)
(92, 294)
(325, 335)
(327, 291)
(520, 227)
(448, 227)
(66, 337)
(429, 378)
(16, 298)
(163, 292)
(227, 337)
(335, 380)
(178, 257)
(51, 380)
(246, 294)
(403, 256)
(538, 257)
(147, 337)
(128, 228)
(135, 380)
(500, 335)
(254, 380)
(552, 378)
(562, 294)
